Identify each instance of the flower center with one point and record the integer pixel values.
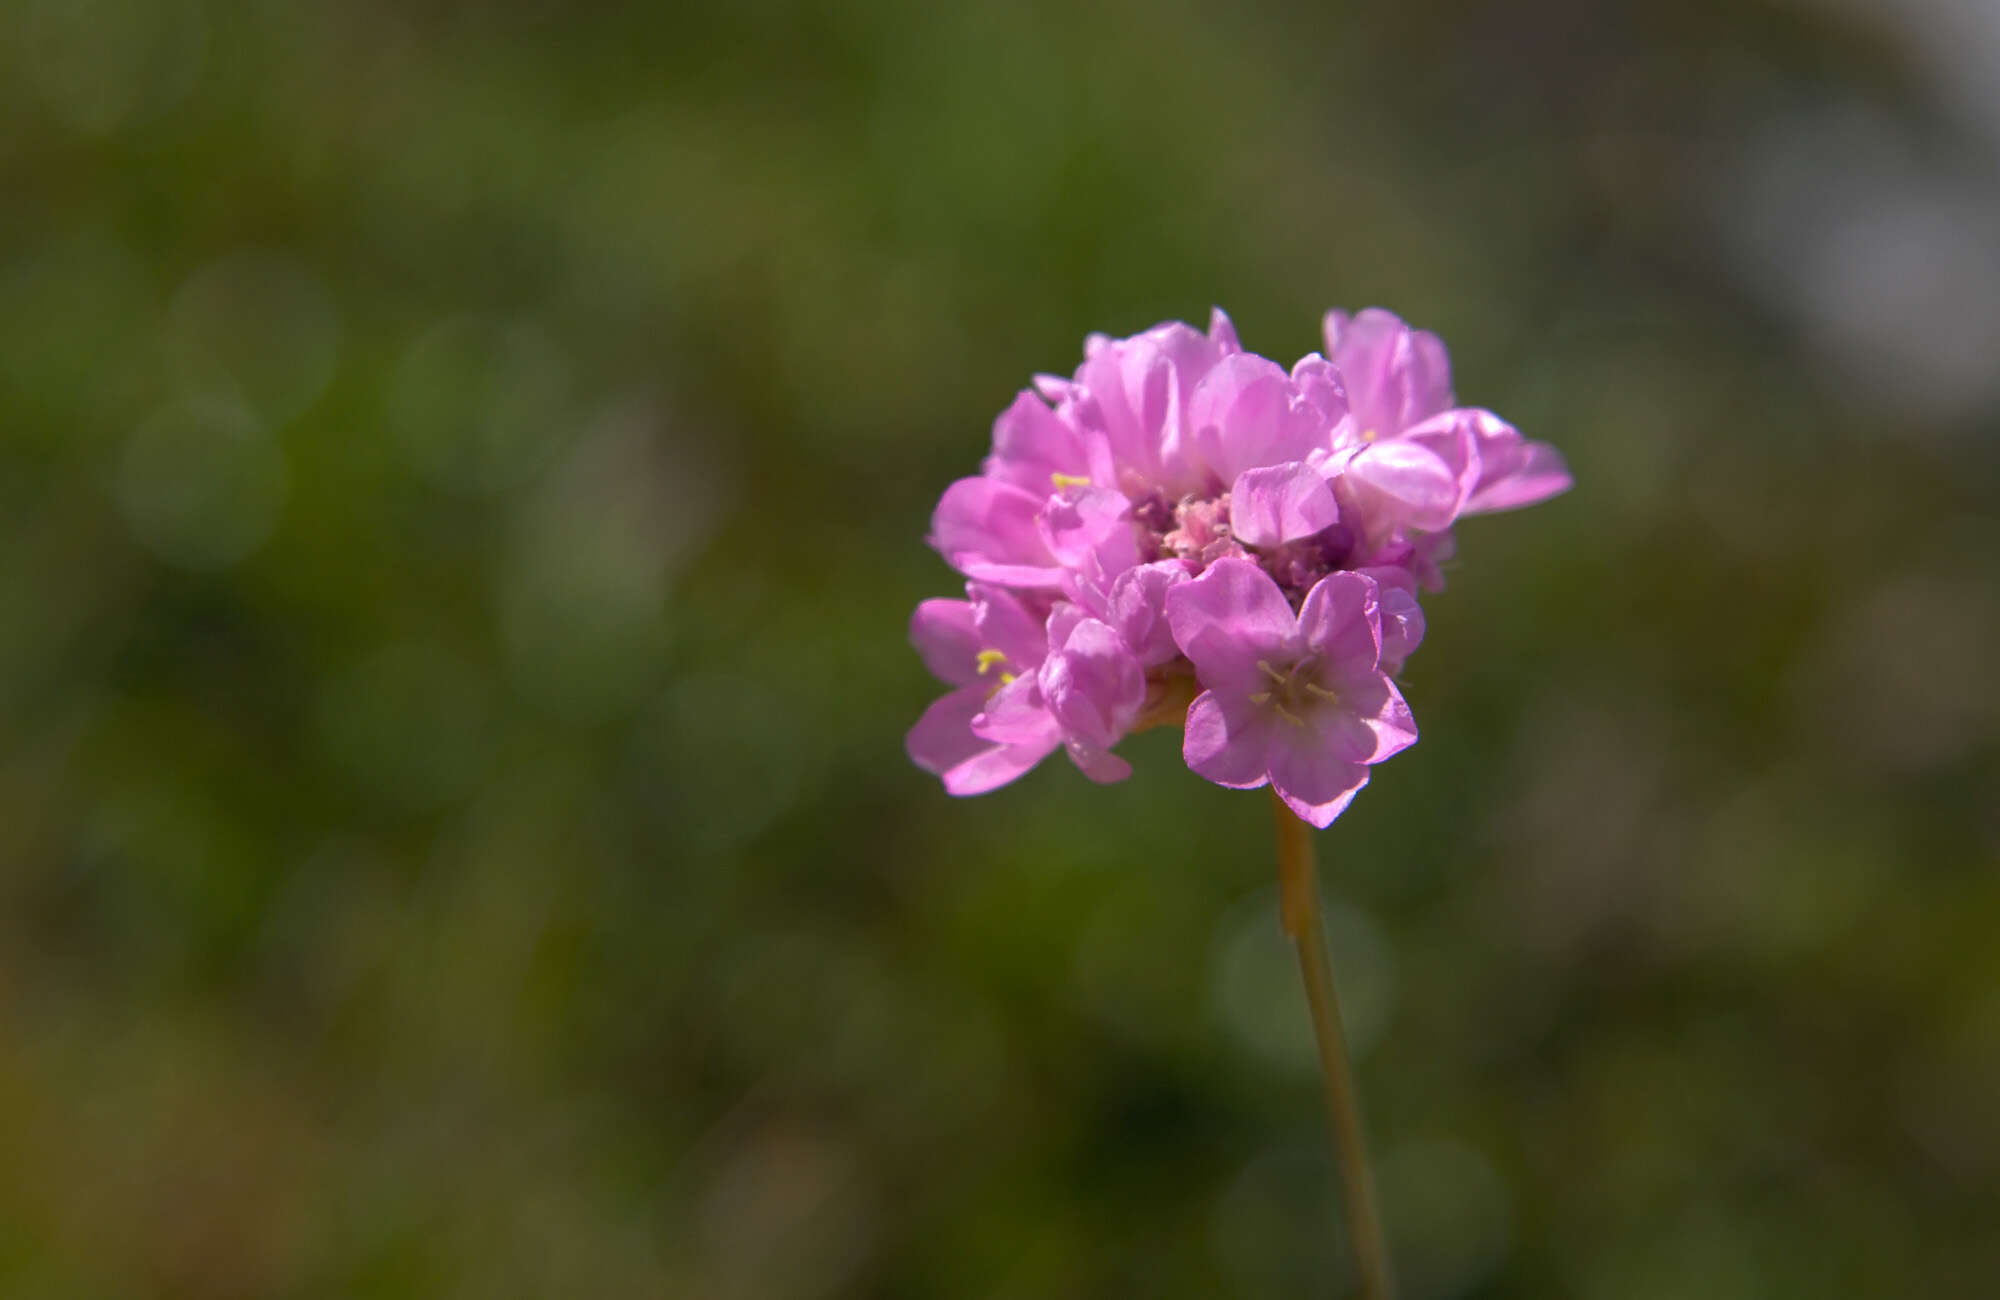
(1293, 691)
(1196, 531)
(991, 664)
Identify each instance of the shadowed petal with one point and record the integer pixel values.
(1094, 685)
(1016, 714)
(1228, 619)
(942, 738)
(1246, 413)
(1340, 621)
(1279, 504)
(1031, 444)
(1222, 332)
(943, 634)
(943, 743)
(1100, 765)
(986, 530)
(1401, 484)
(1138, 609)
(1092, 523)
(1005, 624)
(1314, 783)
(1228, 750)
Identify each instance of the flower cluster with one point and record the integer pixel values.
(1187, 533)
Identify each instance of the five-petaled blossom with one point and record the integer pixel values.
(1185, 532)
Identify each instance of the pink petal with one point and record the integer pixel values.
(1222, 332)
(1228, 619)
(1316, 788)
(1074, 527)
(1318, 381)
(1016, 714)
(1399, 484)
(1094, 685)
(1453, 439)
(943, 743)
(1031, 444)
(1227, 750)
(1138, 390)
(1279, 504)
(1340, 621)
(1333, 328)
(1138, 609)
(1395, 376)
(942, 738)
(994, 768)
(1003, 623)
(1099, 765)
(1429, 390)
(1246, 413)
(943, 634)
(1395, 727)
(986, 529)
(1402, 628)
(1540, 474)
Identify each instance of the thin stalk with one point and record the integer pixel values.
(1298, 909)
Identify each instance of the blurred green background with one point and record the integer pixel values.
(463, 472)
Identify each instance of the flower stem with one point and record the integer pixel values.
(1298, 909)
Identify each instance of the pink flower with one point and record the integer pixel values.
(1407, 460)
(982, 646)
(1183, 520)
(1300, 701)
(1027, 683)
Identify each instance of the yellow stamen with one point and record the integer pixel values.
(1261, 697)
(1264, 667)
(1288, 715)
(988, 658)
(1062, 480)
(1369, 435)
(1316, 689)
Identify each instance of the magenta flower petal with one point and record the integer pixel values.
(1453, 439)
(986, 530)
(994, 768)
(942, 738)
(1399, 484)
(1514, 472)
(1032, 446)
(943, 634)
(1341, 623)
(1222, 332)
(1314, 784)
(1228, 620)
(1395, 727)
(1231, 751)
(1007, 627)
(1402, 624)
(1246, 413)
(1318, 381)
(1100, 765)
(1138, 609)
(1017, 714)
(1094, 685)
(1396, 376)
(1280, 503)
(943, 744)
(1138, 391)
(1093, 523)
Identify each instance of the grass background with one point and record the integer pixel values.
(462, 478)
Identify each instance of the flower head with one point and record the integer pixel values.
(1182, 519)
(1296, 699)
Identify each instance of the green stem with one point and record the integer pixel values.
(1298, 908)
